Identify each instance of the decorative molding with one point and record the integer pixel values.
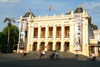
(35, 23)
(35, 39)
(18, 21)
(29, 20)
(58, 24)
(58, 39)
(43, 25)
(66, 22)
(50, 25)
(86, 23)
(42, 38)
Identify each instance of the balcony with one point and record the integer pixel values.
(35, 37)
(66, 36)
(50, 37)
(58, 36)
(42, 36)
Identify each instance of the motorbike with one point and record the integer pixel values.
(25, 54)
(91, 59)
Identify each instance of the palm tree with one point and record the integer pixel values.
(9, 25)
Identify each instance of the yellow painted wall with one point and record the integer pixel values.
(84, 51)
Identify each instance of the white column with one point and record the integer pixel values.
(39, 33)
(32, 33)
(28, 34)
(71, 46)
(28, 38)
(84, 33)
(54, 37)
(62, 34)
(46, 43)
(62, 37)
(87, 37)
(70, 34)
(46, 34)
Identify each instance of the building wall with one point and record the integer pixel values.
(63, 23)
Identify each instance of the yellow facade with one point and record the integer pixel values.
(57, 32)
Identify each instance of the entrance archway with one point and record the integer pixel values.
(66, 46)
(58, 46)
(50, 46)
(35, 46)
(42, 46)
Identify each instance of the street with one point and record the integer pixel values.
(9, 60)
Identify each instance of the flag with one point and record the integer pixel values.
(50, 7)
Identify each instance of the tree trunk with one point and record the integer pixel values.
(8, 39)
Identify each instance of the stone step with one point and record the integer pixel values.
(48, 53)
(61, 54)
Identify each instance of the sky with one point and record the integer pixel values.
(16, 8)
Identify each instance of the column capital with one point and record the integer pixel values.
(86, 23)
(58, 24)
(50, 25)
(31, 26)
(38, 44)
(62, 44)
(63, 24)
(53, 44)
(45, 44)
(39, 26)
(18, 21)
(71, 23)
(29, 20)
(35, 25)
(47, 25)
(42, 25)
(54, 25)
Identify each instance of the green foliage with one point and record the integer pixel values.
(2, 39)
(13, 39)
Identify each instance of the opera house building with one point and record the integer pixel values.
(71, 32)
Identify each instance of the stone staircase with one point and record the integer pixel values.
(65, 54)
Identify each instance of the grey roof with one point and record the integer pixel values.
(28, 13)
(95, 27)
(79, 9)
(68, 13)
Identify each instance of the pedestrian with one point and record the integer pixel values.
(93, 55)
(26, 53)
(23, 53)
(56, 54)
(76, 54)
(43, 53)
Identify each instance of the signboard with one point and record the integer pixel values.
(77, 32)
(22, 33)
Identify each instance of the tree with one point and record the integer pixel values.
(9, 25)
(2, 41)
(14, 34)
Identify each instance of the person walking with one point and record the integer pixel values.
(26, 53)
(43, 53)
(76, 54)
(56, 54)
